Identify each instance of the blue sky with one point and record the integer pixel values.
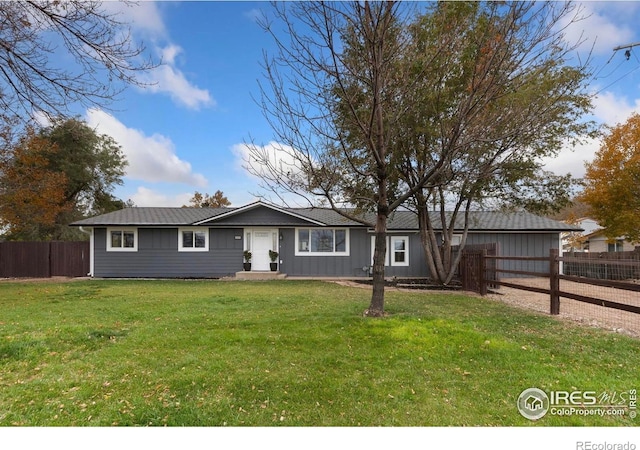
(187, 132)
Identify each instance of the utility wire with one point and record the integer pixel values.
(628, 52)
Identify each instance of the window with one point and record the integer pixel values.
(615, 246)
(322, 241)
(397, 250)
(193, 240)
(122, 240)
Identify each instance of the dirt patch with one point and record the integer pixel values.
(413, 283)
(584, 313)
(43, 280)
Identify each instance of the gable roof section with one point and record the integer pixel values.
(399, 221)
(252, 206)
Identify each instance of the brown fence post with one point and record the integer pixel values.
(483, 272)
(554, 281)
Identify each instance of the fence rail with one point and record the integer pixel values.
(44, 259)
(485, 268)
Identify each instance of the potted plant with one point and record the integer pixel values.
(247, 261)
(273, 256)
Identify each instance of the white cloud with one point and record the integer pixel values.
(254, 15)
(598, 28)
(281, 158)
(572, 160)
(170, 52)
(151, 158)
(143, 17)
(284, 165)
(612, 110)
(609, 110)
(146, 22)
(167, 79)
(148, 197)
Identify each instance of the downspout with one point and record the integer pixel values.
(560, 253)
(90, 233)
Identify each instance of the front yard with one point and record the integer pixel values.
(214, 353)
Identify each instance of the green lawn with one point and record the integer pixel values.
(215, 353)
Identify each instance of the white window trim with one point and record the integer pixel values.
(122, 249)
(181, 247)
(373, 249)
(334, 253)
(391, 247)
(388, 259)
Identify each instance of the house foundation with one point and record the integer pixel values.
(260, 275)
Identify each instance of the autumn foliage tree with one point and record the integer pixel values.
(55, 175)
(217, 200)
(612, 182)
(32, 194)
(495, 93)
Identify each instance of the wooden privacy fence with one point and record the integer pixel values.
(44, 259)
(475, 266)
(487, 273)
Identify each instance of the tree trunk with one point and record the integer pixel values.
(376, 308)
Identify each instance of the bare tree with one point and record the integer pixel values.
(331, 98)
(32, 33)
(377, 108)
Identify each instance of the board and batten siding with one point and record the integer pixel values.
(519, 244)
(158, 256)
(260, 217)
(357, 264)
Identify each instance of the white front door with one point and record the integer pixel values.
(262, 240)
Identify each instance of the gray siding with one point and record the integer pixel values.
(417, 265)
(347, 266)
(326, 266)
(158, 256)
(260, 217)
(519, 244)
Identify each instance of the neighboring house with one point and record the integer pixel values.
(593, 239)
(316, 242)
(597, 242)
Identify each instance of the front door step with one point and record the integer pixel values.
(260, 275)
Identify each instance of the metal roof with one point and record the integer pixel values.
(399, 220)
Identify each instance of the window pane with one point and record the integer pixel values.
(322, 240)
(341, 240)
(399, 250)
(187, 239)
(303, 240)
(129, 239)
(116, 239)
(200, 239)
